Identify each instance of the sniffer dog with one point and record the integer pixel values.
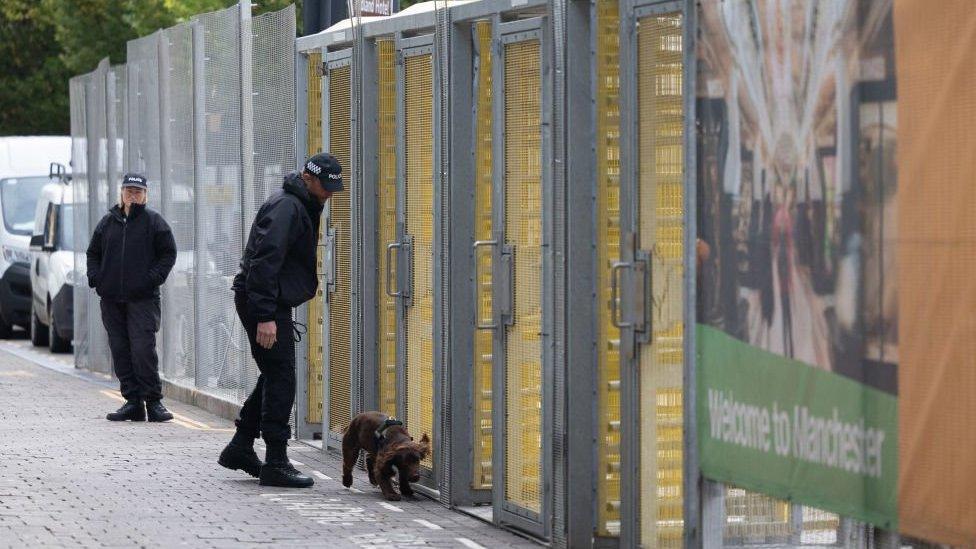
(388, 445)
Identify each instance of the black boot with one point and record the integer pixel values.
(132, 410)
(239, 454)
(278, 471)
(157, 412)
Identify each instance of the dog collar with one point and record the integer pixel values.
(381, 432)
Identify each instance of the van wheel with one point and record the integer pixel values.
(38, 332)
(6, 330)
(58, 343)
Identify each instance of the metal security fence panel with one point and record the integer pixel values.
(608, 205)
(79, 187)
(386, 222)
(176, 141)
(482, 359)
(313, 142)
(221, 342)
(337, 266)
(98, 191)
(268, 132)
(415, 275)
(521, 272)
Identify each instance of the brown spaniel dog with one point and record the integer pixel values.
(387, 445)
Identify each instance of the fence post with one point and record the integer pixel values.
(199, 162)
(162, 80)
(245, 39)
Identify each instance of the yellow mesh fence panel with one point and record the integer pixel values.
(339, 301)
(608, 252)
(419, 206)
(314, 139)
(386, 210)
(523, 229)
(661, 229)
(483, 231)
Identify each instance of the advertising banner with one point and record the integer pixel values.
(797, 305)
(836, 306)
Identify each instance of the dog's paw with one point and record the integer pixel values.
(347, 480)
(393, 497)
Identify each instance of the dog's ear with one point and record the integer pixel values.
(384, 459)
(424, 446)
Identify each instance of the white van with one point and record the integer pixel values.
(53, 273)
(24, 169)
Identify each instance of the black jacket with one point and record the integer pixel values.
(278, 268)
(130, 257)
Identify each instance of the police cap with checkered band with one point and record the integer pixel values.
(327, 168)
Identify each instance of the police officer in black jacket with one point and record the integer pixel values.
(130, 255)
(278, 273)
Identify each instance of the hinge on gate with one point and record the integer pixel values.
(399, 58)
(323, 70)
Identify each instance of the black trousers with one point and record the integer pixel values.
(132, 328)
(268, 408)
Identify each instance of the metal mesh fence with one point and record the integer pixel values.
(176, 141)
(79, 167)
(206, 111)
(217, 199)
(98, 200)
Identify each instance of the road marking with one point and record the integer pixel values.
(178, 419)
(296, 462)
(468, 543)
(112, 395)
(388, 539)
(17, 373)
(355, 490)
(390, 506)
(428, 524)
(321, 476)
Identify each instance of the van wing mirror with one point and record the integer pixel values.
(37, 242)
(57, 170)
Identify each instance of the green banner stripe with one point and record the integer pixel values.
(796, 432)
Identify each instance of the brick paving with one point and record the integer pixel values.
(69, 478)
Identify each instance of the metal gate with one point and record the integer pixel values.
(414, 245)
(647, 298)
(313, 144)
(337, 251)
(521, 265)
(483, 230)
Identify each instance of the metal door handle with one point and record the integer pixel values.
(614, 269)
(477, 277)
(389, 263)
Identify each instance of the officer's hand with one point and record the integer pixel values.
(267, 334)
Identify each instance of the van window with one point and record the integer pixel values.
(66, 228)
(19, 197)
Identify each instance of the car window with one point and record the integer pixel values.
(19, 196)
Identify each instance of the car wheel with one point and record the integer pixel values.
(58, 343)
(38, 331)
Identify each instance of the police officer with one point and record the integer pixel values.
(129, 257)
(278, 273)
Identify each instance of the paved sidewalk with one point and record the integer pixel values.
(70, 478)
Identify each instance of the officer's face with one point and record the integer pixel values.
(133, 195)
(315, 187)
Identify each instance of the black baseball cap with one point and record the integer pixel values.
(327, 168)
(134, 180)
